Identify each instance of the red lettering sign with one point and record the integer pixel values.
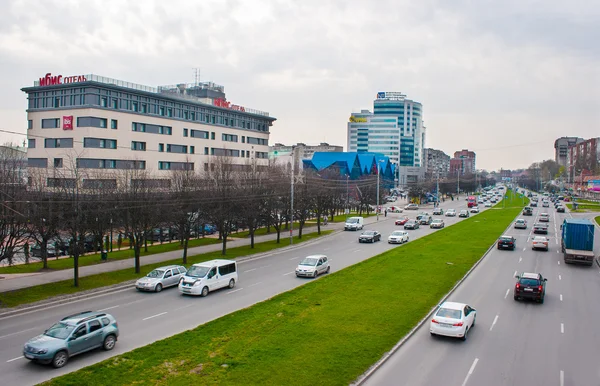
(220, 102)
(67, 122)
(50, 80)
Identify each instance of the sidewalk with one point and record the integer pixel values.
(18, 281)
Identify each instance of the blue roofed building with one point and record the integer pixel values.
(353, 164)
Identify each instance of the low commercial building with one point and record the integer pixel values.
(96, 124)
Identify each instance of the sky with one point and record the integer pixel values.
(501, 78)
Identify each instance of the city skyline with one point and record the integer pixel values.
(490, 76)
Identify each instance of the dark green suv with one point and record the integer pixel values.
(73, 335)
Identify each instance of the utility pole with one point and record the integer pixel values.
(377, 207)
(292, 201)
(347, 196)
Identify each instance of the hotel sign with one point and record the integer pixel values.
(220, 102)
(393, 95)
(357, 119)
(50, 80)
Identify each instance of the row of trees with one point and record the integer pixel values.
(83, 204)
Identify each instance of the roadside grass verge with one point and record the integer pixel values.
(584, 207)
(41, 292)
(597, 219)
(94, 258)
(327, 332)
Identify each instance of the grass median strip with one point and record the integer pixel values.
(92, 259)
(327, 332)
(65, 287)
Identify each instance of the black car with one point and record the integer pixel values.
(507, 242)
(527, 211)
(540, 228)
(530, 286)
(369, 237)
(560, 209)
(411, 224)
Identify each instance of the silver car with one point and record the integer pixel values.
(161, 278)
(313, 266)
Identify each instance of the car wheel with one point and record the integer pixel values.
(328, 269)
(158, 288)
(60, 359)
(204, 292)
(109, 343)
(465, 335)
(542, 300)
(516, 297)
(474, 319)
(231, 283)
(315, 274)
(431, 333)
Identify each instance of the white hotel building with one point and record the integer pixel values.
(100, 124)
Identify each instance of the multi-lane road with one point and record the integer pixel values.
(513, 343)
(146, 317)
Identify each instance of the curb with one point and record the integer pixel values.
(366, 375)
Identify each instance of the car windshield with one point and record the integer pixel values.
(156, 274)
(369, 233)
(352, 220)
(397, 233)
(197, 271)
(531, 282)
(60, 331)
(520, 221)
(448, 313)
(437, 221)
(503, 238)
(309, 261)
(539, 239)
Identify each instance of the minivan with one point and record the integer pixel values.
(354, 224)
(208, 276)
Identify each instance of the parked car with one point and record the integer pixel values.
(369, 237)
(411, 207)
(463, 213)
(402, 220)
(540, 228)
(530, 286)
(453, 320)
(36, 250)
(313, 266)
(507, 242)
(521, 224)
(437, 224)
(451, 213)
(398, 237)
(539, 242)
(411, 224)
(438, 211)
(73, 335)
(160, 278)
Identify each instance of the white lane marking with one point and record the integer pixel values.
(557, 251)
(16, 333)
(556, 241)
(108, 308)
(326, 249)
(295, 257)
(515, 274)
(264, 266)
(562, 328)
(289, 273)
(470, 371)
(561, 297)
(252, 285)
(250, 270)
(559, 277)
(494, 322)
(14, 359)
(135, 301)
(507, 292)
(524, 248)
(528, 238)
(184, 307)
(154, 316)
(520, 259)
(558, 262)
(235, 290)
(562, 378)
(357, 250)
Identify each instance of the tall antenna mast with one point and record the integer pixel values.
(196, 76)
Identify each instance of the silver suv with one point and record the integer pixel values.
(74, 334)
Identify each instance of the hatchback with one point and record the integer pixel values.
(313, 266)
(160, 278)
(73, 335)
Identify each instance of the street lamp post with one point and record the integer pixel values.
(292, 203)
(377, 207)
(347, 197)
(437, 188)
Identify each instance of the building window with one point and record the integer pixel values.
(161, 147)
(91, 122)
(169, 112)
(182, 149)
(103, 102)
(243, 153)
(199, 134)
(248, 154)
(212, 135)
(243, 139)
(205, 151)
(161, 111)
(31, 143)
(192, 116)
(144, 108)
(51, 123)
(192, 150)
(213, 119)
(185, 132)
(29, 124)
(113, 124)
(58, 162)
(141, 146)
(134, 106)
(205, 166)
(52, 143)
(37, 162)
(56, 102)
(100, 143)
(229, 137)
(141, 127)
(115, 103)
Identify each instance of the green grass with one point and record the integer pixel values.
(326, 332)
(94, 258)
(46, 291)
(597, 219)
(584, 207)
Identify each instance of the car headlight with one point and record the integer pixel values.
(196, 283)
(42, 351)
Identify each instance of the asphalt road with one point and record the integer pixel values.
(513, 343)
(146, 317)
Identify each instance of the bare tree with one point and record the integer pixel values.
(277, 198)
(184, 211)
(222, 184)
(252, 207)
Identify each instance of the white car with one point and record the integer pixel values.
(453, 319)
(540, 242)
(313, 266)
(411, 207)
(160, 278)
(451, 213)
(475, 209)
(398, 237)
(487, 204)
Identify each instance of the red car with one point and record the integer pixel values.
(402, 221)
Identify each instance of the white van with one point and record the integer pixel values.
(208, 276)
(354, 224)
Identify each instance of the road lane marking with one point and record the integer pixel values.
(250, 270)
(520, 259)
(494, 322)
(558, 262)
(108, 308)
(14, 359)
(557, 251)
(264, 266)
(289, 273)
(357, 250)
(252, 285)
(184, 307)
(470, 371)
(561, 297)
(326, 249)
(294, 258)
(524, 248)
(562, 378)
(507, 292)
(16, 333)
(235, 290)
(515, 274)
(562, 328)
(559, 277)
(133, 302)
(154, 316)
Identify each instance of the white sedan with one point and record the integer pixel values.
(398, 237)
(540, 242)
(451, 213)
(453, 319)
(487, 204)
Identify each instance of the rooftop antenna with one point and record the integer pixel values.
(196, 76)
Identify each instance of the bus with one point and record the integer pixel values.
(471, 201)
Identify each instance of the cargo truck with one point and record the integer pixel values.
(577, 241)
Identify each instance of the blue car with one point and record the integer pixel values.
(73, 335)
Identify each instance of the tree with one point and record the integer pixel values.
(277, 198)
(252, 207)
(184, 211)
(222, 184)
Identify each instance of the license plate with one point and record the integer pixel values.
(528, 289)
(445, 325)
(28, 356)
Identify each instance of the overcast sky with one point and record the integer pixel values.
(501, 78)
